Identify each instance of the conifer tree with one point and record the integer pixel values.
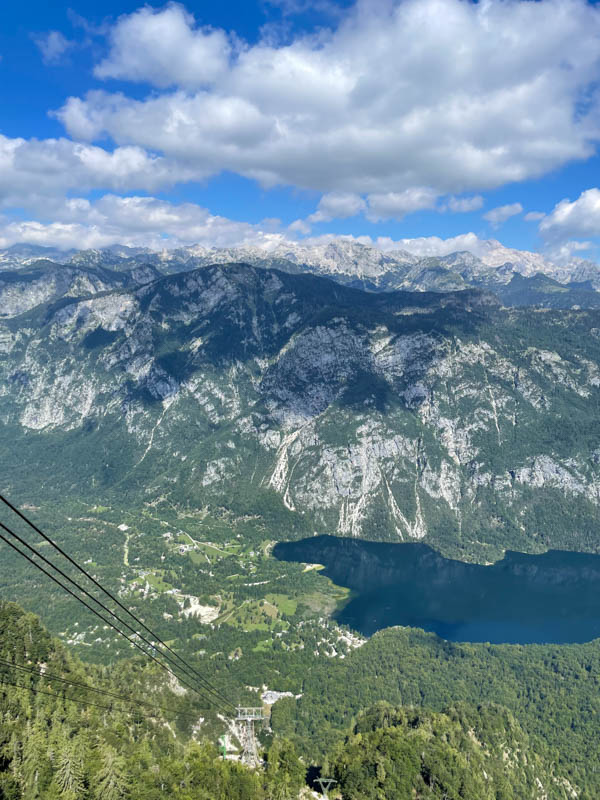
(70, 771)
(285, 771)
(112, 780)
(35, 765)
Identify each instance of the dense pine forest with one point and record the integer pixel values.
(56, 748)
(60, 741)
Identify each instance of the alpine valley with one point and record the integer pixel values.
(170, 416)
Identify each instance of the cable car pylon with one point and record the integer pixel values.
(246, 717)
(326, 784)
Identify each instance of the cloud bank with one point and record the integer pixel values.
(398, 107)
(136, 221)
(444, 96)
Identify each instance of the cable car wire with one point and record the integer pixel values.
(95, 600)
(94, 611)
(206, 684)
(73, 700)
(77, 684)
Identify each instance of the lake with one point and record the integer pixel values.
(552, 597)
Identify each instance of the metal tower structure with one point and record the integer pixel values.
(325, 784)
(246, 717)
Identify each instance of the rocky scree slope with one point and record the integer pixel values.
(392, 416)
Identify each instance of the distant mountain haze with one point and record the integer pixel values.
(516, 277)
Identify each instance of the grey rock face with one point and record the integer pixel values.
(517, 277)
(390, 416)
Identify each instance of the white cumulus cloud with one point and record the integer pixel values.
(400, 106)
(32, 171)
(338, 205)
(446, 94)
(135, 221)
(534, 216)
(395, 205)
(435, 246)
(568, 219)
(165, 48)
(461, 205)
(564, 252)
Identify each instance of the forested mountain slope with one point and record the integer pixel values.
(314, 406)
(54, 749)
(465, 752)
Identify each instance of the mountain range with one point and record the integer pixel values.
(33, 274)
(169, 416)
(319, 407)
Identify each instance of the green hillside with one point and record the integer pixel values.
(55, 748)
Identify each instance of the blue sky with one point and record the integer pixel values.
(257, 122)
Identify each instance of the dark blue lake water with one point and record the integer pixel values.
(553, 597)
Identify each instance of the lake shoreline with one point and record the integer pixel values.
(550, 597)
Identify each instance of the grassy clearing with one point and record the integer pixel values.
(156, 581)
(317, 567)
(254, 615)
(324, 604)
(285, 604)
(199, 558)
(212, 550)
